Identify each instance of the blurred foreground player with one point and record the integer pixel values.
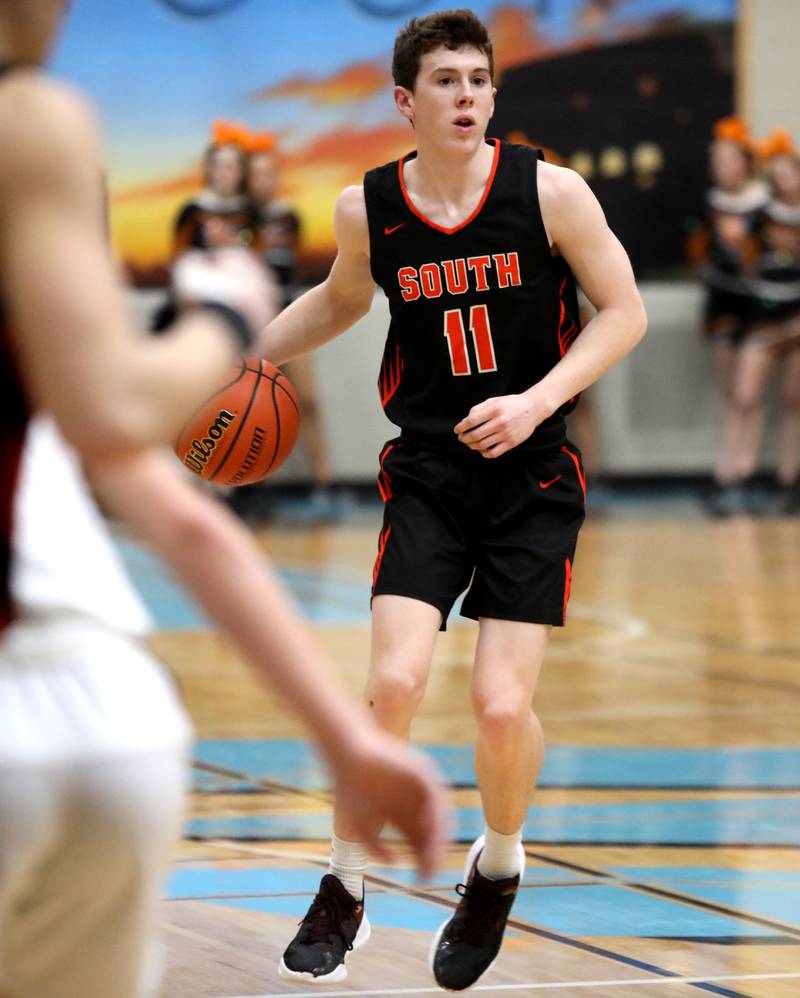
(92, 738)
(474, 243)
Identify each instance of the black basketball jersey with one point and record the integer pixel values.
(13, 420)
(477, 311)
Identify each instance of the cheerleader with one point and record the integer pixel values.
(723, 250)
(774, 323)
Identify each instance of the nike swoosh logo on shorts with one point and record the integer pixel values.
(387, 231)
(546, 485)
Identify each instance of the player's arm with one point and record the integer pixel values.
(215, 557)
(74, 339)
(340, 301)
(578, 230)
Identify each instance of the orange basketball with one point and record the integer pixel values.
(244, 431)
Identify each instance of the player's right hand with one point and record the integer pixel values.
(379, 780)
(232, 276)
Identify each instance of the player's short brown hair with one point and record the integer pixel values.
(454, 29)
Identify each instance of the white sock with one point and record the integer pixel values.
(499, 857)
(348, 863)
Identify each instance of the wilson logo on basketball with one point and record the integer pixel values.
(197, 458)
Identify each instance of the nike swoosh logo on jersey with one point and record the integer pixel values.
(387, 231)
(546, 485)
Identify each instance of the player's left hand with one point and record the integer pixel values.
(499, 424)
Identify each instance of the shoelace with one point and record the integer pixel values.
(472, 928)
(324, 918)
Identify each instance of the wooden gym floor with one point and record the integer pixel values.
(662, 841)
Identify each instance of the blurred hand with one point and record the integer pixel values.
(232, 276)
(378, 781)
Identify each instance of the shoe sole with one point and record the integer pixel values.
(335, 976)
(474, 851)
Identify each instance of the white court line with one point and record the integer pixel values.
(625, 983)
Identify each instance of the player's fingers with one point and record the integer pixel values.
(477, 436)
(370, 836)
(490, 443)
(478, 414)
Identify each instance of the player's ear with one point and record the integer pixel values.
(404, 100)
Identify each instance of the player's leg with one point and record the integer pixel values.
(28, 822)
(508, 757)
(520, 589)
(84, 926)
(423, 563)
(403, 635)
(101, 722)
(510, 745)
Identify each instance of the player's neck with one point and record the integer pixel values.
(449, 181)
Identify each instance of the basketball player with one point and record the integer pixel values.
(474, 242)
(92, 738)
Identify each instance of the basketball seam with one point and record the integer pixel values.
(287, 393)
(241, 427)
(277, 425)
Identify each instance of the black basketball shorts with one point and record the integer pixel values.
(504, 528)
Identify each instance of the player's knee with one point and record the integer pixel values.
(395, 693)
(500, 718)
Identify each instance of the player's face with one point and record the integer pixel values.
(452, 100)
(730, 167)
(225, 171)
(262, 176)
(34, 25)
(784, 172)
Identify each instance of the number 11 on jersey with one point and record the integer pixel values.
(456, 336)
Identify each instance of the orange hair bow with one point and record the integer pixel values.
(779, 143)
(733, 129)
(227, 133)
(260, 142)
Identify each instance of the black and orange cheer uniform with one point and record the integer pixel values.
(777, 286)
(731, 247)
(210, 220)
(478, 311)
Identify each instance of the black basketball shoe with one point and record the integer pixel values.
(466, 946)
(334, 924)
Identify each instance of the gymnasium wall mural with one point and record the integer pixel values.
(624, 91)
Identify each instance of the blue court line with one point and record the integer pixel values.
(730, 821)
(769, 894)
(296, 762)
(598, 911)
(324, 596)
(204, 882)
